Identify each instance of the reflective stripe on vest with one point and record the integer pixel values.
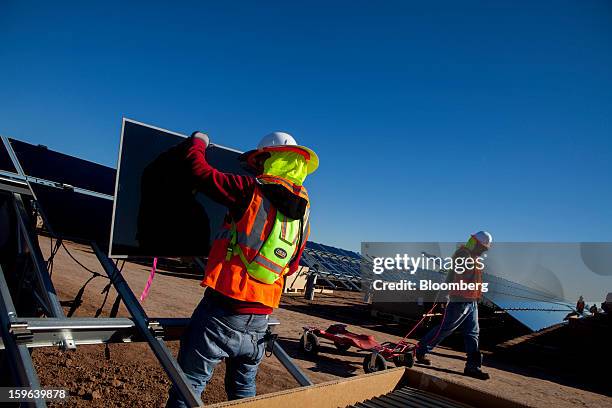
(273, 255)
(231, 277)
(252, 240)
(268, 264)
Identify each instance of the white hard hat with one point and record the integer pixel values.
(278, 140)
(484, 238)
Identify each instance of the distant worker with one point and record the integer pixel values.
(461, 311)
(580, 305)
(607, 305)
(261, 242)
(594, 309)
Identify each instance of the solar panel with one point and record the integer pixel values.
(534, 314)
(43, 163)
(72, 193)
(526, 280)
(74, 215)
(156, 213)
(531, 307)
(409, 397)
(333, 263)
(313, 245)
(6, 164)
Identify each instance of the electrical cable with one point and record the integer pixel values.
(54, 250)
(80, 264)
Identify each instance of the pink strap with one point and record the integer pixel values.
(145, 291)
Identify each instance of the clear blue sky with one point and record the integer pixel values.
(431, 120)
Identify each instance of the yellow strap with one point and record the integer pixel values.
(242, 257)
(233, 248)
(232, 244)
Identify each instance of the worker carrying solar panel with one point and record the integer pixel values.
(461, 311)
(261, 241)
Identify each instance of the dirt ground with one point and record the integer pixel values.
(133, 377)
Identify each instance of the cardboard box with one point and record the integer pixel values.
(340, 393)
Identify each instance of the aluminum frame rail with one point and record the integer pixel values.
(148, 329)
(288, 363)
(47, 332)
(47, 296)
(18, 334)
(15, 351)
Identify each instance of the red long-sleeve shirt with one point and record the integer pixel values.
(235, 191)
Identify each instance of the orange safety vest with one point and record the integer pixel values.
(230, 276)
(468, 276)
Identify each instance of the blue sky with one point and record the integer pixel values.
(431, 120)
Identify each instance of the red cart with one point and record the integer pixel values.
(401, 353)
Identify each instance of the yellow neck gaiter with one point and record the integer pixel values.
(471, 244)
(288, 165)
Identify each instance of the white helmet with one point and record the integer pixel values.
(484, 238)
(277, 139)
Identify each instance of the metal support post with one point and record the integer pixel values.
(40, 269)
(143, 325)
(15, 352)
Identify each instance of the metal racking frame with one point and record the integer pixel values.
(32, 283)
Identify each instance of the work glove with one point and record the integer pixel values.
(201, 136)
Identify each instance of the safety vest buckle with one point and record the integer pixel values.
(230, 252)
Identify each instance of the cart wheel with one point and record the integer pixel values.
(404, 360)
(374, 362)
(409, 359)
(343, 347)
(309, 343)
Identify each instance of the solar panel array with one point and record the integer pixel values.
(73, 215)
(74, 195)
(533, 308)
(333, 264)
(39, 162)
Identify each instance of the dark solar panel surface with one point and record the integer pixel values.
(5, 160)
(410, 397)
(532, 308)
(40, 162)
(75, 215)
(154, 216)
(535, 309)
(534, 315)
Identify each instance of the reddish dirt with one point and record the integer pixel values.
(132, 376)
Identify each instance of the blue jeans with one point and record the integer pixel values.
(463, 315)
(215, 333)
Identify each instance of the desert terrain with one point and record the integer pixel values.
(131, 375)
